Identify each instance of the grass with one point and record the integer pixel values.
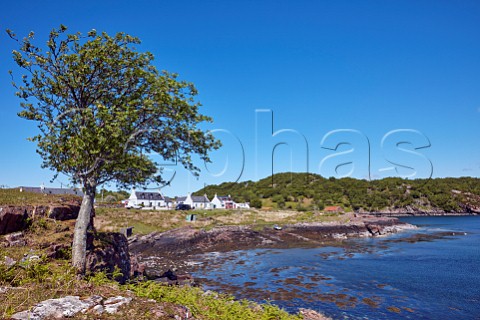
(14, 197)
(144, 221)
(31, 281)
(210, 305)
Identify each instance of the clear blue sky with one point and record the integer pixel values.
(370, 67)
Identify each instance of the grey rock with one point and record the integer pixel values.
(99, 309)
(30, 257)
(69, 306)
(14, 236)
(55, 308)
(112, 304)
(9, 262)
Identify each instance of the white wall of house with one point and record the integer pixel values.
(188, 200)
(227, 202)
(205, 204)
(217, 203)
(202, 205)
(133, 200)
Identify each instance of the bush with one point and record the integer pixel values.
(256, 203)
(301, 208)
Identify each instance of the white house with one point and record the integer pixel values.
(223, 202)
(154, 200)
(200, 202)
(226, 202)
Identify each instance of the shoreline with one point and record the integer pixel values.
(423, 214)
(186, 250)
(160, 251)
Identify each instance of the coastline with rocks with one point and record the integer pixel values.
(160, 251)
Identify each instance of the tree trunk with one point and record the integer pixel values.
(79, 247)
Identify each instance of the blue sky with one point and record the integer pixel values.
(403, 72)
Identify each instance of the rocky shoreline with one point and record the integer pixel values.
(433, 213)
(407, 211)
(160, 251)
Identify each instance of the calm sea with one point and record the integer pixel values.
(432, 272)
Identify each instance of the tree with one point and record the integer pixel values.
(256, 203)
(102, 108)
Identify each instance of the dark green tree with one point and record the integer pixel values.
(256, 203)
(101, 107)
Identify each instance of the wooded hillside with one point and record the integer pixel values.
(304, 191)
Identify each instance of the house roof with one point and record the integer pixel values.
(200, 199)
(76, 191)
(149, 195)
(224, 198)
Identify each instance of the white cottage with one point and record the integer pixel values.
(154, 200)
(223, 202)
(200, 202)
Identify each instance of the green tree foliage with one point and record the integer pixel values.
(279, 200)
(448, 194)
(101, 107)
(112, 196)
(256, 203)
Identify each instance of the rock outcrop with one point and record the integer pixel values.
(13, 219)
(15, 239)
(69, 306)
(309, 314)
(186, 241)
(17, 218)
(171, 278)
(67, 212)
(109, 253)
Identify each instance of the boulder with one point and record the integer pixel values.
(112, 304)
(64, 212)
(13, 219)
(61, 308)
(16, 239)
(69, 306)
(171, 278)
(309, 314)
(18, 218)
(9, 262)
(107, 252)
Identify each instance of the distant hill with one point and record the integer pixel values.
(304, 191)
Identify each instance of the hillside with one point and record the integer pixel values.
(304, 191)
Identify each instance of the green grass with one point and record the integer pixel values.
(32, 281)
(144, 222)
(14, 197)
(210, 306)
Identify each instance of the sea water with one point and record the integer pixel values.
(432, 272)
